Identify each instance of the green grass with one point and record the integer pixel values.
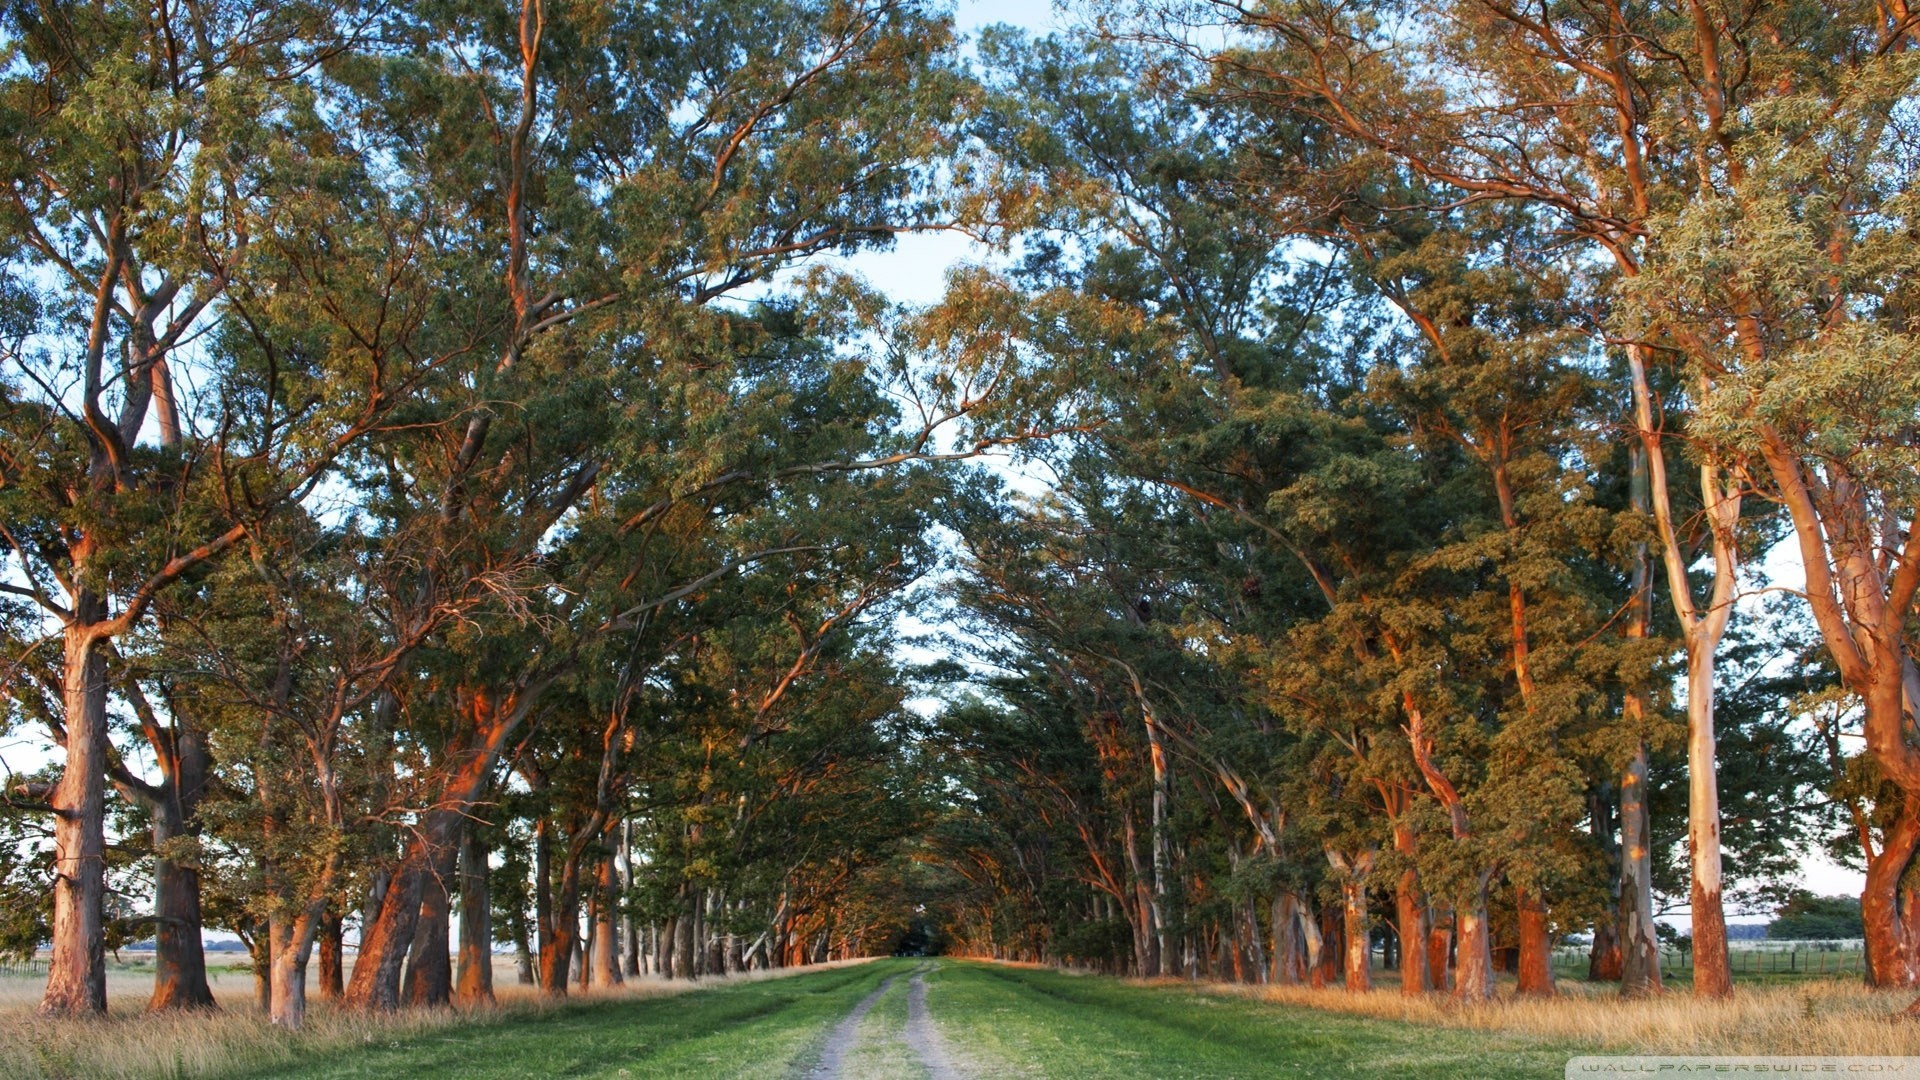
(1031, 1022)
(999, 1021)
(882, 1052)
(744, 1031)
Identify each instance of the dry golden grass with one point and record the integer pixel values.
(1829, 1016)
(131, 1044)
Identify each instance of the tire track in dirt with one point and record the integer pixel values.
(846, 1034)
(924, 1037)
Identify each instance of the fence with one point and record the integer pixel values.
(23, 967)
(1791, 959)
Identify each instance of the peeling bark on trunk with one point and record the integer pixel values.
(1287, 967)
(429, 974)
(1603, 954)
(1712, 965)
(1440, 947)
(1704, 626)
(1411, 907)
(475, 979)
(1639, 944)
(1473, 964)
(1535, 963)
(77, 965)
(1353, 871)
(606, 937)
(1892, 957)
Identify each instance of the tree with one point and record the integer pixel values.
(1806, 917)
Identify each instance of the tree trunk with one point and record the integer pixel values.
(1353, 871)
(683, 945)
(179, 956)
(606, 936)
(429, 973)
(287, 979)
(1892, 957)
(1704, 627)
(1411, 907)
(1712, 966)
(630, 924)
(1535, 963)
(1286, 939)
(332, 948)
(1639, 944)
(475, 985)
(1603, 956)
(1359, 972)
(387, 929)
(1332, 950)
(388, 935)
(1146, 949)
(77, 966)
(1473, 965)
(1439, 946)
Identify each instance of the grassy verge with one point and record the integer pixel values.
(759, 1030)
(236, 1040)
(1029, 1022)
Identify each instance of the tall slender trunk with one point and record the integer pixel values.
(1639, 945)
(1704, 627)
(1603, 953)
(1712, 965)
(77, 966)
(630, 923)
(1146, 943)
(1162, 854)
(475, 980)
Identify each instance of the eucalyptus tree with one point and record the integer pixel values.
(1669, 141)
(617, 176)
(132, 457)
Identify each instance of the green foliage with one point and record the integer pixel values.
(1806, 917)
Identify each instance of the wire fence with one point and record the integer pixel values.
(23, 967)
(1794, 959)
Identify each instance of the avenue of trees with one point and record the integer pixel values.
(447, 480)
